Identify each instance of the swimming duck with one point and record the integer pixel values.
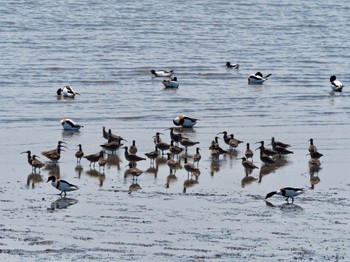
(288, 192)
(171, 83)
(184, 121)
(258, 78)
(62, 185)
(162, 73)
(69, 124)
(66, 91)
(336, 85)
(229, 65)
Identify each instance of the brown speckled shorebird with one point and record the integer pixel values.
(175, 150)
(175, 137)
(132, 158)
(112, 146)
(102, 160)
(186, 142)
(265, 158)
(267, 151)
(134, 171)
(152, 155)
(248, 164)
(79, 154)
(282, 150)
(226, 138)
(54, 155)
(171, 164)
(233, 142)
(197, 156)
(248, 152)
(133, 148)
(275, 143)
(113, 137)
(36, 163)
(52, 151)
(190, 168)
(93, 158)
(312, 147)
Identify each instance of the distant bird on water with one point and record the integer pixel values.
(61, 185)
(184, 121)
(229, 65)
(69, 124)
(288, 192)
(336, 85)
(171, 83)
(258, 78)
(66, 91)
(162, 73)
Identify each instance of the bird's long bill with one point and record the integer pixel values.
(220, 133)
(270, 194)
(24, 152)
(267, 75)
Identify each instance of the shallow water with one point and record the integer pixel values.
(105, 51)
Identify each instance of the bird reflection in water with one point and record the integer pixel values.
(134, 187)
(34, 178)
(62, 203)
(214, 167)
(288, 207)
(98, 175)
(78, 170)
(247, 179)
(152, 170)
(171, 178)
(192, 180)
(113, 160)
(268, 169)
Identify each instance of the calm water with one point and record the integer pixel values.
(105, 50)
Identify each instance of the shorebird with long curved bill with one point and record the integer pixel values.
(67, 92)
(162, 73)
(184, 121)
(257, 78)
(287, 192)
(62, 185)
(130, 157)
(336, 85)
(70, 125)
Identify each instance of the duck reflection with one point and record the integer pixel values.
(98, 175)
(34, 178)
(288, 207)
(63, 203)
(69, 134)
(134, 187)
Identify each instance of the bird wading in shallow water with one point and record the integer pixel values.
(170, 83)
(287, 192)
(229, 65)
(336, 85)
(162, 73)
(66, 91)
(62, 185)
(69, 124)
(184, 121)
(257, 79)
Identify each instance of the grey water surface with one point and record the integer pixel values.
(105, 51)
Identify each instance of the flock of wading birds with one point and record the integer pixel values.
(270, 157)
(176, 150)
